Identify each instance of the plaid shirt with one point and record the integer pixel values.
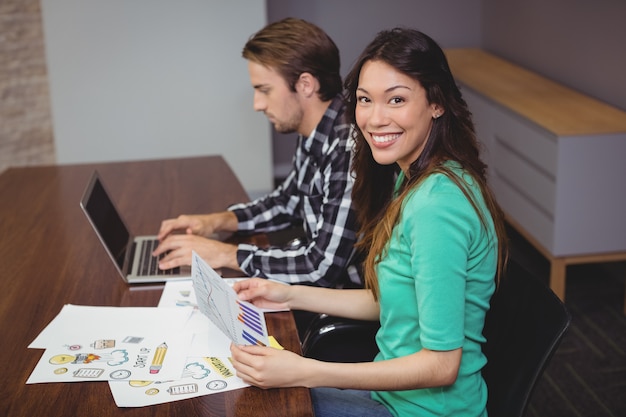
(316, 194)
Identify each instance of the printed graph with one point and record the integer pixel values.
(241, 321)
(252, 320)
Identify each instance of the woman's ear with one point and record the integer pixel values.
(437, 111)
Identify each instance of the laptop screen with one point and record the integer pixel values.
(106, 220)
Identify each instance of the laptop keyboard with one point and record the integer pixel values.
(148, 264)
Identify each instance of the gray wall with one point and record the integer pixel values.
(147, 79)
(579, 43)
(353, 24)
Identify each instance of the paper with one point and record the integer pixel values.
(241, 321)
(153, 355)
(180, 293)
(208, 369)
(91, 322)
(201, 376)
(103, 343)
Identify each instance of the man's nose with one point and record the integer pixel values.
(258, 102)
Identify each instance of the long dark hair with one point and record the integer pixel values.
(452, 138)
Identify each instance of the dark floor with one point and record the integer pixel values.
(587, 375)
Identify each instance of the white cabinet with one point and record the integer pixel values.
(568, 192)
(557, 160)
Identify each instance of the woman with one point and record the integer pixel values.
(434, 239)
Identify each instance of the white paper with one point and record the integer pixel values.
(201, 376)
(89, 322)
(241, 321)
(208, 369)
(180, 293)
(113, 343)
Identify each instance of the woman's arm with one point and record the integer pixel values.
(269, 368)
(354, 304)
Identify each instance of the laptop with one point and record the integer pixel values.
(132, 255)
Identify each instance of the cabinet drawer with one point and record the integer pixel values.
(536, 146)
(527, 214)
(519, 154)
(523, 176)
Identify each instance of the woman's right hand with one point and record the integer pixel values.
(264, 293)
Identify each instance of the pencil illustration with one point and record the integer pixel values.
(157, 360)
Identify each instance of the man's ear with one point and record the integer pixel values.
(307, 84)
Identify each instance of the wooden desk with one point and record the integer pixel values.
(50, 257)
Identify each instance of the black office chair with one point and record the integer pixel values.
(335, 339)
(523, 327)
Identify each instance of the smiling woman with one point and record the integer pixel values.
(393, 113)
(433, 238)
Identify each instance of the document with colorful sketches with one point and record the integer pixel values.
(113, 343)
(201, 376)
(208, 369)
(241, 321)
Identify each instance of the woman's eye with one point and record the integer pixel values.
(362, 99)
(396, 100)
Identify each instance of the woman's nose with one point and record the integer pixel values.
(378, 115)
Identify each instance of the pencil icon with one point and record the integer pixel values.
(157, 360)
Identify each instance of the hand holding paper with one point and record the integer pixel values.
(263, 293)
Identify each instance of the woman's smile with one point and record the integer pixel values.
(384, 140)
(393, 113)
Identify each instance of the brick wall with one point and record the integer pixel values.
(26, 136)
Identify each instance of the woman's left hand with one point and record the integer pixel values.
(267, 367)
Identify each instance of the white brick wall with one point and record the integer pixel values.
(25, 123)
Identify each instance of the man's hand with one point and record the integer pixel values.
(189, 224)
(199, 224)
(178, 250)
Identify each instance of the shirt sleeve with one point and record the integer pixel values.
(276, 211)
(330, 225)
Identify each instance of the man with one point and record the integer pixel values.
(294, 69)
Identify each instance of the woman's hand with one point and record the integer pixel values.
(267, 367)
(264, 293)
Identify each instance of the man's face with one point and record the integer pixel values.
(273, 97)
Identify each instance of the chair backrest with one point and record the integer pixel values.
(335, 339)
(523, 327)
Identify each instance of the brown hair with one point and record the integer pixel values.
(293, 46)
(452, 138)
